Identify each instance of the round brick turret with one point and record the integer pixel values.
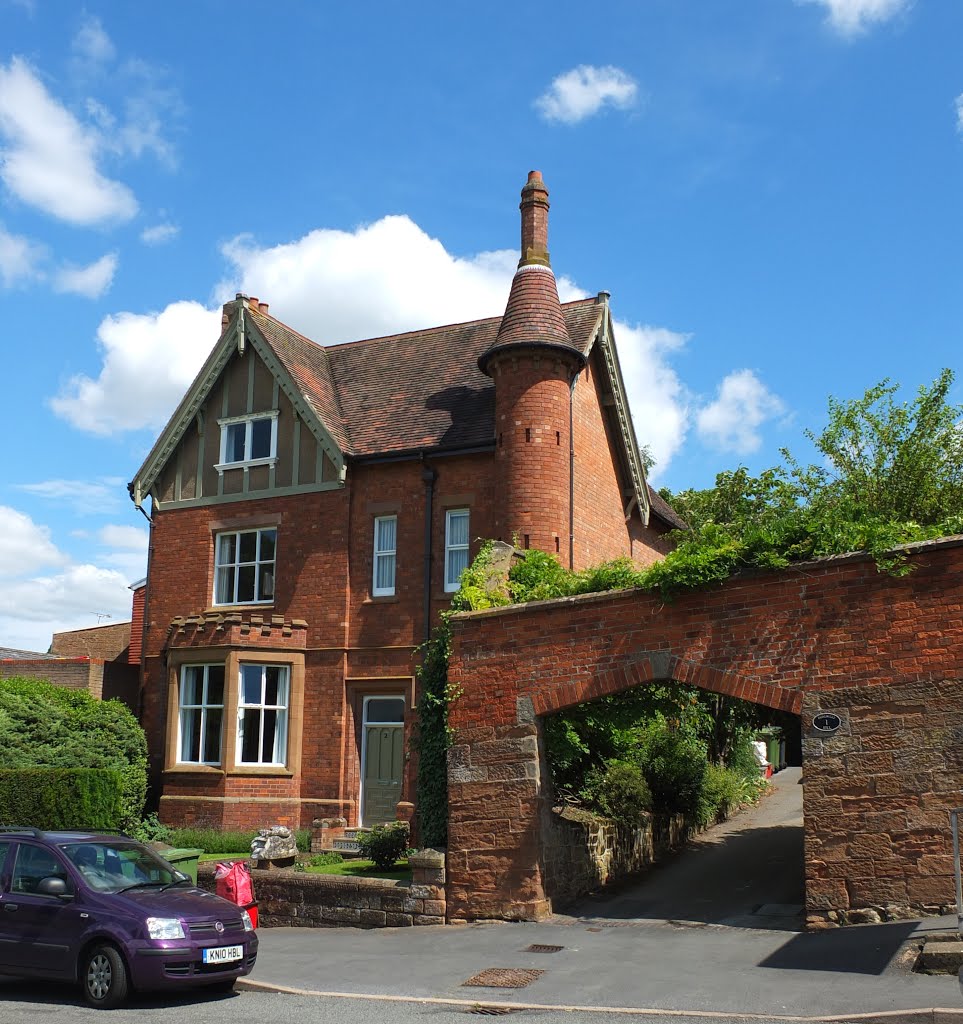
(533, 363)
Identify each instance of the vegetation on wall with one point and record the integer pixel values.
(889, 473)
(46, 726)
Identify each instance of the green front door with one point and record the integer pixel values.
(383, 752)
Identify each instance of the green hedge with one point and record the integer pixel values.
(62, 798)
(45, 726)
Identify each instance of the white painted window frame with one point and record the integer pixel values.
(203, 707)
(282, 707)
(451, 585)
(258, 563)
(381, 554)
(248, 419)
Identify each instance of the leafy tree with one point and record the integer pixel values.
(888, 461)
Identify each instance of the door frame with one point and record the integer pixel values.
(364, 741)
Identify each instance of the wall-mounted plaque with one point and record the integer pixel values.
(826, 721)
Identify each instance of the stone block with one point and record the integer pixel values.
(423, 919)
(413, 906)
(342, 915)
(373, 918)
(394, 920)
(435, 908)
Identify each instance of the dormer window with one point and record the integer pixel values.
(248, 440)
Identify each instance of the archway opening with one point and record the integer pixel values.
(668, 801)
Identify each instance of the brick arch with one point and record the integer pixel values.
(657, 666)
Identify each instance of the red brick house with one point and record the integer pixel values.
(312, 508)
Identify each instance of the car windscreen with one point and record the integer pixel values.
(115, 866)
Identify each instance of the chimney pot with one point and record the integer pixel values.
(263, 307)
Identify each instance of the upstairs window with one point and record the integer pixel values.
(385, 547)
(244, 567)
(248, 440)
(262, 715)
(201, 713)
(456, 547)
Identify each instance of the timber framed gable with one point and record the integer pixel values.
(242, 378)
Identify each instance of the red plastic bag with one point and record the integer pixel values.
(232, 881)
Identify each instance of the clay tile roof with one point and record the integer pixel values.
(533, 315)
(12, 654)
(658, 506)
(407, 392)
(308, 365)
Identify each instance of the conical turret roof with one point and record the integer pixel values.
(533, 316)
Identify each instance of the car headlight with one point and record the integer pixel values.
(165, 928)
(246, 920)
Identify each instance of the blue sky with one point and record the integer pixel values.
(771, 190)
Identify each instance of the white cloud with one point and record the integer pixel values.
(149, 361)
(584, 91)
(959, 113)
(32, 610)
(85, 497)
(742, 405)
(159, 234)
(24, 545)
(91, 281)
(20, 259)
(48, 158)
(658, 399)
(129, 538)
(850, 17)
(383, 278)
(91, 43)
(336, 286)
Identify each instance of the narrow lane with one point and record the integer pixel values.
(747, 872)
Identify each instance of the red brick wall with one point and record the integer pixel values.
(74, 673)
(354, 643)
(776, 639)
(532, 449)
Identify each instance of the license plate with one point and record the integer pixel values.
(222, 954)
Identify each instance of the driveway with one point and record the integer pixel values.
(747, 872)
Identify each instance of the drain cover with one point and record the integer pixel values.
(494, 1011)
(504, 977)
(537, 947)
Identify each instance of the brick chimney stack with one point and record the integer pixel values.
(534, 207)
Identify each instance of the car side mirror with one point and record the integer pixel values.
(180, 876)
(54, 886)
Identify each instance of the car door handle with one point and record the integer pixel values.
(10, 907)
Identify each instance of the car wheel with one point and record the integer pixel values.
(105, 977)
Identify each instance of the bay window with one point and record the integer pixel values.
(262, 714)
(201, 712)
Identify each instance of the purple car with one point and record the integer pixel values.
(110, 913)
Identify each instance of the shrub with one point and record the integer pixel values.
(322, 860)
(151, 830)
(62, 798)
(45, 726)
(674, 765)
(211, 840)
(385, 844)
(721, 792)
(620, 792)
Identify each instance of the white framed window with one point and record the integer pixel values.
(262, 715)
(250, 440)
(385, 550)
(244, 566)
(201, 714)
(456, 546)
